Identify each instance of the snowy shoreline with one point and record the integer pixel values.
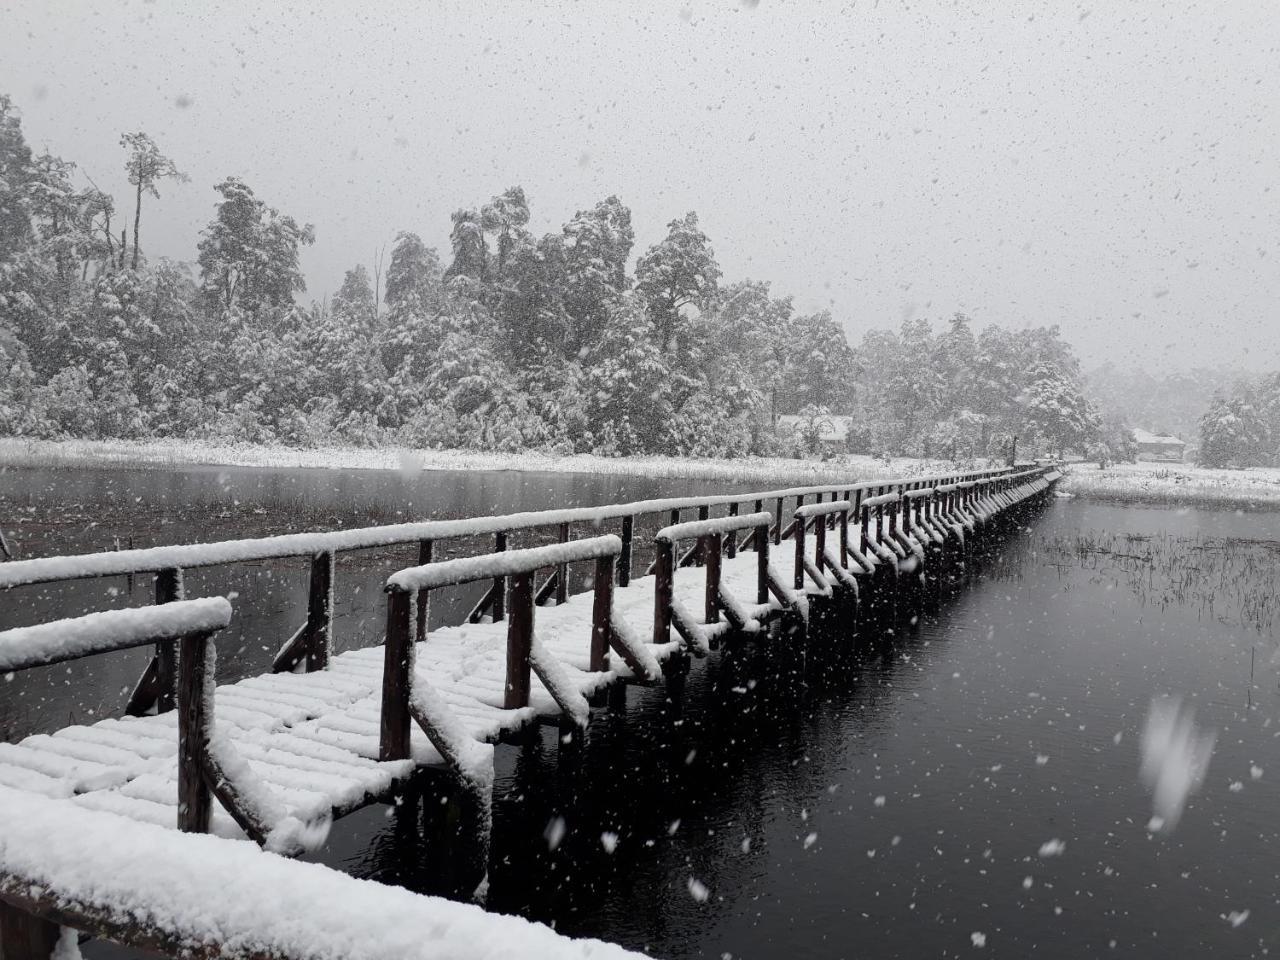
(19, 452)
(1175, 484)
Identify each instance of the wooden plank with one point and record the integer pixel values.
(519, 641)
(195, 686)
(762, 564)
(397, 680)
(24, 936)
(602, 615)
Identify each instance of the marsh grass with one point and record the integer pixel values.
(1231, 580)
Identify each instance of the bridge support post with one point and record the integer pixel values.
(24, 936)
(397, 679)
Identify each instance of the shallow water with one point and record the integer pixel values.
(893, 799)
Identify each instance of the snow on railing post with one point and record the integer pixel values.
(168, 589)
(731, 544)
(519, 641)
(320, 612)
(397, 677)
(425, 550)
(712, 544)
(663, 589)
(195, 728)
(602, 614)
(499, 583)
(562, 571)
(624, 558)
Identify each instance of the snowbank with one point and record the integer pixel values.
(1175, 483)
(194, 889)
(21, 452)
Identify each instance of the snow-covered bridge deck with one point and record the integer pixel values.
(314, 737)
(276, 757)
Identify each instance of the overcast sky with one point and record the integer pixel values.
(1107, 168)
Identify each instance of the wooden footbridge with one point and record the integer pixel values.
(276, 758)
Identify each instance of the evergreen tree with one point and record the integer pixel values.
(676, 274)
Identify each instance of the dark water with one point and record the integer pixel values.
(892, 799)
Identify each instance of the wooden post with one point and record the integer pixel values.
(663, 587)
(624, 558)
(797, 529)
(713, 544)
(844, 536)
(195, 726)
(731, 545)
(519, 641)
(425, 550)
(168, 589)
(762, 563)
(700, 558)
(601, 613)
(820, 542)
(499, 583)
(320, 612)
(562, 571)
(397, 679)
(777, 529)
(24, 936)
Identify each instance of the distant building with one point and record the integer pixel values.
(833, 429)
(1153, 446)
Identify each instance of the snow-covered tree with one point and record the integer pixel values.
(1233, 433)
(678, 273)
(146, 167)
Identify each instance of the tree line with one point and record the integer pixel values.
(509, 341)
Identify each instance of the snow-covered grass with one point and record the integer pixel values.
(848, 467)
(1175, 483)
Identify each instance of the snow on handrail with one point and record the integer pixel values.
(883, 500)
(189, 556)
(109, 630)
(189, 894)
(700, 528)
(923, 492)
(505, 564)
(822, 509)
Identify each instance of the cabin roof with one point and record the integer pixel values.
(1146, 436)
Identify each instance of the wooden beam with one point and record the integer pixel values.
(25, 936)
(195, 726)
(602, 614)
(397, 679)
(320, 612)
(624, 558)
(169, 588)
(426, 549)
(519, 641)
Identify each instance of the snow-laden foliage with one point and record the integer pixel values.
(509, 342)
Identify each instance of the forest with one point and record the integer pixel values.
(506, 341)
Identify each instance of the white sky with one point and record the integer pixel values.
(1110, 169)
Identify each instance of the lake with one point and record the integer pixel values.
(969, 788)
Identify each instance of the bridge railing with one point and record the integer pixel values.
(203, 770)
(409, 590)
(310, 646)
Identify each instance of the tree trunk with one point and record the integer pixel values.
(137, 219)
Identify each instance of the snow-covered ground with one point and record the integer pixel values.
(1175, 483)
(755, 469)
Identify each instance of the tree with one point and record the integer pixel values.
(1057, 409)
(248, 255)
(147, 166)
(470, 252)
(678, 273)
(414, 274)
(506, 216)
(1233, 433)
(597, 243)
(15, 175)
(354, 301)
